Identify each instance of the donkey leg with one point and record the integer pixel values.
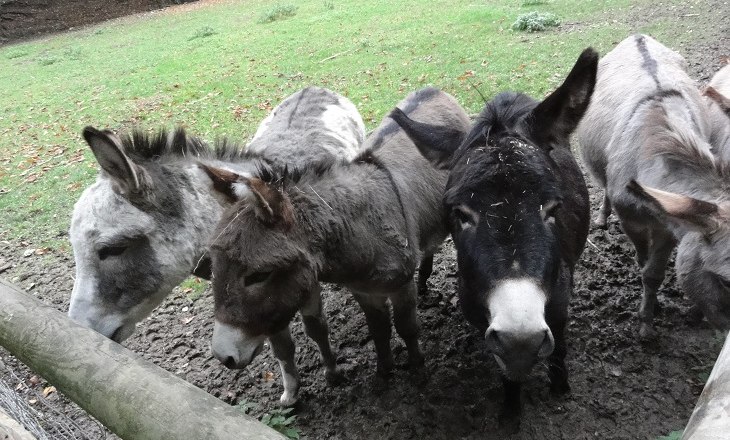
(556, 316)
(509, 415)
(660, 248)
(424, 271)
(377, 316)
(283, 346)
(315, 326)
(406, 321)
(604, 212)
(639, 236)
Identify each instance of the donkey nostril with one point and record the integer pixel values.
(230, 363)
(547, 345)
(494, 342)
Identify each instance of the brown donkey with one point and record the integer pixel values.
(364, 225)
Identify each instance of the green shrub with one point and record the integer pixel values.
(278, 12)
(329, 5)
(535, 21)
(17, 53)
(533, 2)
(279, 419)
(204, 32)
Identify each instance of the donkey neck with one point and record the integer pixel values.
(353, 219)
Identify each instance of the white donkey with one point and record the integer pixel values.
(143, 226)
(649, 137)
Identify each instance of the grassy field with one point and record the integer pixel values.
(219, 68)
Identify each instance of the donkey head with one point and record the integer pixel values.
(130, 232)
(704, 251)
(505, 208)
(261, 273)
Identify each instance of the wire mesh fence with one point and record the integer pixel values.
(43, 419)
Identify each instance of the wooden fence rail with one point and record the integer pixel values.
(132, 397)
(711, 418)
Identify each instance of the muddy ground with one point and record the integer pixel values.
(621, 389)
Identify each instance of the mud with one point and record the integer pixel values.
(621, 389)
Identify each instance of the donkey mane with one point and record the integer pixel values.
(675, 144)
(285, 176)
(142, 146)
(501, 158)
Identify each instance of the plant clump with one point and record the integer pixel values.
(278, 12)
(535, 21)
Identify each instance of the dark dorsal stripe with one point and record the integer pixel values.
(649, 64)
(296, 106)
(369, 157)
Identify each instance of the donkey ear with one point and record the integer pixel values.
(436, 143)
(225, 182)
(108, 151)
(722, 100)
(271, 205)
(555, 118)
(695, 214)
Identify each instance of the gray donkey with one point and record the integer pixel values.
(143, 226)
(363, 224)
(648, 138)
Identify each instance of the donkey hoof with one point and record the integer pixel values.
(509, 422)
(559, 386)
(334, 378)
(695, 315)
(380, 383)
(287, 399)
(647, 333)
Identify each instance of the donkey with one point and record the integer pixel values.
(519, 215)
(648, 138)
(362, 224)
(143, 226)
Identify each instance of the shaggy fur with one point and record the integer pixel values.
(649, 124)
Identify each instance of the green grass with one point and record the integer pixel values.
(674, 435)
(217, 71)
(193, 287)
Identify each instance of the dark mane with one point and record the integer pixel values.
(500, 117)
(678, 147)
(143, 146)
(499, 162)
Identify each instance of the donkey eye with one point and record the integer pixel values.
(463, 217)
(111, 251)
(256, 277)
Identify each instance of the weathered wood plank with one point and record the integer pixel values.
(132, 397)
(711, 418)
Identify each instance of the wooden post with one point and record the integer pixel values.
(132, 397)
(711, 418)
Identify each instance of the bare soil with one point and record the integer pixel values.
(621, 389)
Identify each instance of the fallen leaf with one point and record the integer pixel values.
(268, 376)
(48, 390)
(33, 401)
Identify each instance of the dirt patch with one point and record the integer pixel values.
(621, 389)
(24, 19)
